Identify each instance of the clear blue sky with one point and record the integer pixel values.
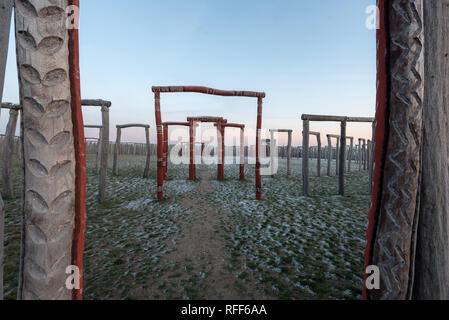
(308, 56)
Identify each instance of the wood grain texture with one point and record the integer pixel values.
(49, 153)
(393, 244)
(431, 279)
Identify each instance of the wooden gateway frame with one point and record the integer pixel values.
(306, 118)
(7, 148)
(105, 106)
(99, 140)
(146, 171)
(289, 149)
(193, 123)
(166, 126)
(161, 163)
(221, 126)
(330, 154)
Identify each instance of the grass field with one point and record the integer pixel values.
(211, 239)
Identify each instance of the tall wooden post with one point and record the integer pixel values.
(329, 155)
(273, 146)
(289, 154)
(221, 151)
(192, 166)
(351, 152)
(305, 158)
(342, 162)
(98, 155)
(258, 140)
(337, 157)
(394, 235)
(160, 146)
(431, 279)
(117, 151)
(5, 24)
(54, 150)
(146, 172)
(165, 150)
(104, 154)
(7, 152)
(242, 154)
(318, 138)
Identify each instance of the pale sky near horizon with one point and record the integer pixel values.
(314, 57)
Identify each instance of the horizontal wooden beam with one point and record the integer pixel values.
(133, 125)
(231, 125)
(327, 118)
(8, 105)
(93, 126)
(211, 91)
(186, 124)
(281, 130)
(207, 119)
(96, 103)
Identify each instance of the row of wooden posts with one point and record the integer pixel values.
(103, 148)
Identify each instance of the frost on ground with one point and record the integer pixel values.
(211, 239)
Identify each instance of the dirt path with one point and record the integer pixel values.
(199, 263)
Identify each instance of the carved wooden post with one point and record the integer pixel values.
(118, 141)
(5, 24)
(394, 238)
(146, 172)
(305, 159)
(54, 149)
(289, 154)
(7, 152)
(329, 155)
(104, 153)
(342, 162)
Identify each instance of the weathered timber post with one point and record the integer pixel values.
(54, 149)
(146, 172)
(7, 152)
(329, 155)
(360, 154)
(398, 229)
(242, 154)
(342, 163)
(98, 155)
(272, 148)
(351, 149)
(5, 24)
(431, 279)
(118, 141)
(289, 154)
(305, 158)
(221, 151)
(104, 153)
(364, 154)
(192, 166)
(337, 156)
